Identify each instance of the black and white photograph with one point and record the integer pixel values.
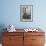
(26, 13)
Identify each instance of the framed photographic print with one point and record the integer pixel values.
(26, 13)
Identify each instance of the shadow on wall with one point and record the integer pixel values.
(2, 26)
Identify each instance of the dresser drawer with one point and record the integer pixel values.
(34, 33)
(13, 44)
(13, 33)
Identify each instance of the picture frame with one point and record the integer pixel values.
(26, 13)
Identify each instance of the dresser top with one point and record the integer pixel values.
(22, 30)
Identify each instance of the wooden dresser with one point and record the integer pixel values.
(23, 39)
